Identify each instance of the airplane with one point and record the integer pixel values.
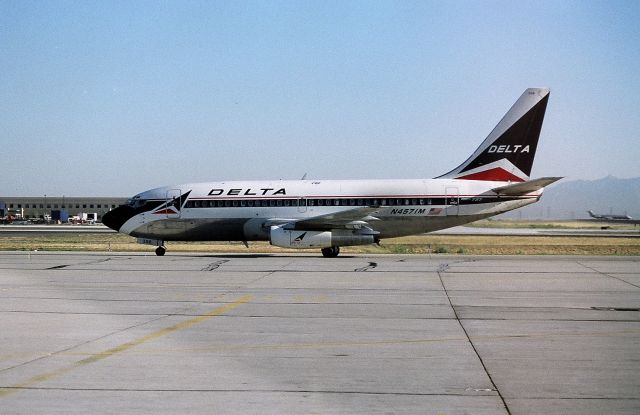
(609, 217)
(329, 214)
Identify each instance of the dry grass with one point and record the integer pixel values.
(420, 244)
(518, 245)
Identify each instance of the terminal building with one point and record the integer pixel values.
(46, 207)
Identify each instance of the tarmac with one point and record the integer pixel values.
(113, 333)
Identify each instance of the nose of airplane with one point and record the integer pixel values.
(117, 217)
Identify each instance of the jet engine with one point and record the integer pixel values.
(286, 238)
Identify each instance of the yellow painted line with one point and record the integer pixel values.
(123, 347)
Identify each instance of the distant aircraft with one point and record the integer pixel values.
(609, 217)
(328, 214)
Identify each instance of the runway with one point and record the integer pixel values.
(130, 333)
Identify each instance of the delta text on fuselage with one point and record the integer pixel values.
(248, 192)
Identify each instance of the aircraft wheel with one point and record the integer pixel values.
(160, 250)
(331, 252)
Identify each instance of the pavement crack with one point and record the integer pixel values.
(75, 346)
(607, 275)
(372, 265)
(218, 390)
(82, 263)
(214, 265)
(475, 350)
(58, 266)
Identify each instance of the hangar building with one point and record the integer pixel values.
(38, 207)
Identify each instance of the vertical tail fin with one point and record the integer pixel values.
(508, 151)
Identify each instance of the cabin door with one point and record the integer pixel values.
(173, 203)
(302, 205)
(452, 201)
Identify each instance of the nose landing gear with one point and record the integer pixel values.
(161, 250)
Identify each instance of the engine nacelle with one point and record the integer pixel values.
(286, 238)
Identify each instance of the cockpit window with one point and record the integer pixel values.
(143, 205)
(136, 202)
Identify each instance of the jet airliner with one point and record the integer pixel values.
(329, 214)
(608, 217)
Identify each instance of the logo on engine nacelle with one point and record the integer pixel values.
(300, 238)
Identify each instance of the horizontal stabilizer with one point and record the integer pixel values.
(525, 187)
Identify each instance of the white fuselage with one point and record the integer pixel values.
(245, 210)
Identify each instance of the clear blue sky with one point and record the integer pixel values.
(110, 98)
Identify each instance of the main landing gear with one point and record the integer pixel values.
(160, 250)
(330, 252)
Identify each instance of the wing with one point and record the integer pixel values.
(346, 219)
(523, 188)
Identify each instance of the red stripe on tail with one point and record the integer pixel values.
(496, 174)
